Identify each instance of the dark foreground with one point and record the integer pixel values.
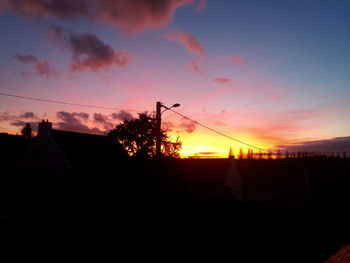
(147, 210)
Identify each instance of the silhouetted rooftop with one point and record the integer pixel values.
(88, 149)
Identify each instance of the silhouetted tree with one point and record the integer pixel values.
(345, 155)
(286, 156)
(138, 136)
(278, 154)
(250, 154)
(241, 154)
(269, 154)
(230, 153)
(27, 131)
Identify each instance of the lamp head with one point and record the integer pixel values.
(176, 105)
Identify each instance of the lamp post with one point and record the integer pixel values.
(159, 123)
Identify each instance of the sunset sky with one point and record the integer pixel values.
(271, 73)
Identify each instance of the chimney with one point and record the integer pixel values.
(45, 128)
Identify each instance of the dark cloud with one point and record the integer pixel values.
(26, 58)
(20, 123)
(41, 68)
(72, 117)
(28, 115)
(129, 15)
(103, 120)
(121, 115)
(20, 119)
(75, 122)
(339, 144)
(44, 8)
(100, 118)
(90, 52)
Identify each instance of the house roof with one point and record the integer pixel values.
(12, 148)
(87, 149)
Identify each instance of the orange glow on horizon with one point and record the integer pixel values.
(213, 145)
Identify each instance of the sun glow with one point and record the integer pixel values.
(208, 145)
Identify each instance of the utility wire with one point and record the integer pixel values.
(61, 102)
(109, 108)
(220, 133)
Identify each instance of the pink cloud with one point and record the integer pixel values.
(131, 16)
(222, 80)
(188, 41)
(236, 60)
(193, 66)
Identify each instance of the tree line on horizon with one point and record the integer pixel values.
(286, 154)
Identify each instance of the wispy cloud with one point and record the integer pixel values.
(236, 60)
(26, 58)
(188, 41)
(194, 66)
(222, 80)
(42, 68)
(335, 145)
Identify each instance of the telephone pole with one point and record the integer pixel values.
(159, 125)
(159, 131)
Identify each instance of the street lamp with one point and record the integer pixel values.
(159, 123)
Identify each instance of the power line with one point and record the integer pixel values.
(220, 133)
(110, 108)
(62, 102)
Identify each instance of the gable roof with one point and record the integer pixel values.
(81, 149)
